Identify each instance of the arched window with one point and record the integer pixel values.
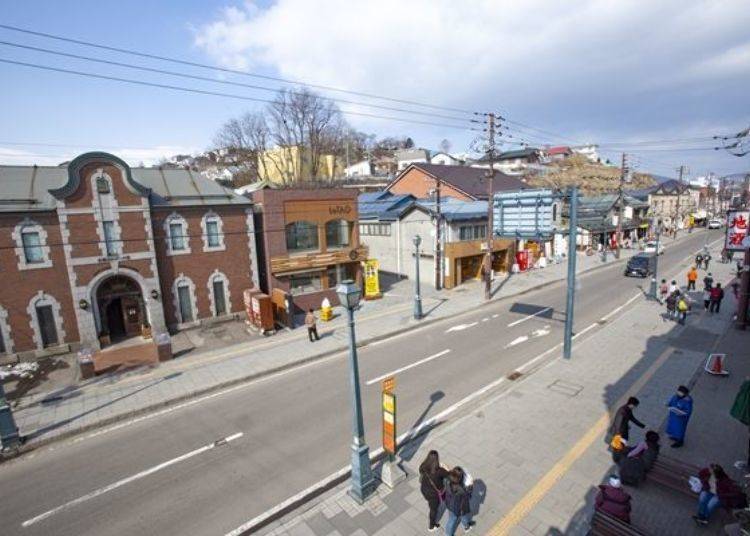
(301, 236)
(31, 245)
(176, 232)
(338, 234)
(46, 320)
(183, 295)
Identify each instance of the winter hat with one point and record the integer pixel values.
(614, 481)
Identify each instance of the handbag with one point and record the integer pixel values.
(695, 484)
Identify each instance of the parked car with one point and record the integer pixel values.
(715, 223)
(641, 265)
(650, 247)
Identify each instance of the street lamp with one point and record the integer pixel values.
(362, 480)
(417, 295)
(9, 438)
(652, 290)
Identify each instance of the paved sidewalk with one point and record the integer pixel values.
(73, 409)
(536, 448)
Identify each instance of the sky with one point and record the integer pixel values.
(626, 75)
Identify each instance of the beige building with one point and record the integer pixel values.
(292, 164)
(672, 201)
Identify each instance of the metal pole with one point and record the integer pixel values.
(652, 291)
(362, 480)
(570, 302)
(417, 294)
(438, 245)
(9, 437)
(620, 203)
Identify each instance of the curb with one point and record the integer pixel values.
(36, 444)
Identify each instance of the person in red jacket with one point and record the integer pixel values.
(718, 490)
(613, 500)
(717, 294)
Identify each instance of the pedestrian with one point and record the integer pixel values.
(673, 287)
(717, 489)
(692, 277)
(613, 500)
(623, 417)
(458, 502)
(708, 281)
(663, 291)
(717, 294)
(432, 485)
(312, 328)
(680, 408)
(706, 260)
(671, 303)
(682, 308)
(639, 460)
(706, 297)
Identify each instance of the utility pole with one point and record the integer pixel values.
(490, 194)
(571, 297)
(681, 170)
(438, 246)
(620, 203)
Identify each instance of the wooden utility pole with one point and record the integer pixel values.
(620, 204)
(490, 194)
(438, 245)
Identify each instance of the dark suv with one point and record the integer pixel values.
(642, 265)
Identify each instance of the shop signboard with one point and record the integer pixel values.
(523, 214)
(737, 221)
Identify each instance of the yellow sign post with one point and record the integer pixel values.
(391, 473)
(372, 282)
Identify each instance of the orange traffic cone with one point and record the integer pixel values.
(715, 365)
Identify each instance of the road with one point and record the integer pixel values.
(161, 475)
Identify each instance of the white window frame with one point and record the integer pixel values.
(183, 280)
(212, 217)
(219, 276)
(5, 332)
(114, 241)
(172, 219)
(30, 226)
(39, 299)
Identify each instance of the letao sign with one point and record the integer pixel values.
(372, 283)
(389, 416)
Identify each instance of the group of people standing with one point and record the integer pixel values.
(678, 302)
(451, 488)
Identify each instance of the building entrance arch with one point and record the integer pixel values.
(122, 310)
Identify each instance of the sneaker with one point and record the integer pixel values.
(471, 526)
(433, 529)
(700, 521)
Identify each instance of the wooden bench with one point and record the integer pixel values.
(605, 525)
(673, 474)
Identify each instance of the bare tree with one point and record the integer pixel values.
(445, 146)
(246, 138)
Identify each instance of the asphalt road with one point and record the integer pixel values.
(295, 426)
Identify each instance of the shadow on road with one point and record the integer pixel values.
(419, 433)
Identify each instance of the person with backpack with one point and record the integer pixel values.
(708, 281)
(671, 304)
(692, 277)
(458, 501)
(432, 485)
(717, 294)
(663, 291)
(682, 308)
(717, 489)
(706, 260)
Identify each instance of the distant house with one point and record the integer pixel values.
(406, 157)
(293, 164)
(598, 216)
(672, 201)
(389, 222)
(512, 161)
(446, 159)
(590, 151)
(461, 182)
(363, 168)
(559, 153)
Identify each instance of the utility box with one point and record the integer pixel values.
(261, 312)
(247, 299)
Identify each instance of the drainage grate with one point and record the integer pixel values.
(565, 388)
(514, 375)
(601, 322)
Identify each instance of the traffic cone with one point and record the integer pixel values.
(715, 365)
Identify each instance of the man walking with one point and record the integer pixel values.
(706, 260)
(717, 294)
(692, 277)
(312, 329)
(708, 281)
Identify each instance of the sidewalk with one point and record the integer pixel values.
(536, 448)
(46, 416)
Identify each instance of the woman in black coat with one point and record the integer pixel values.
(639, 460)
(432, 485)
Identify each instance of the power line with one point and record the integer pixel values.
(225, 82)
(227, 70)
(213, 93)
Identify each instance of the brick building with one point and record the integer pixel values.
(95, 252)
(308, 243)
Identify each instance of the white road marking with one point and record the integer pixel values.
(621, 307)
(529, 317)
(541, 332)
(495, 315)
(407, 367)
(485, 319)
(461, 327)
(128, 480)
(517, 340)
